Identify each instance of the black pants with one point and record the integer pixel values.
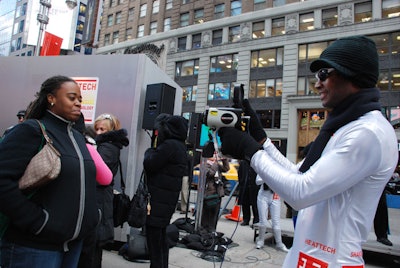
(381, 220)
(158, 246)
(249, 200)
(209, 216)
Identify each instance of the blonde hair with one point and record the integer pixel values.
(111, 121)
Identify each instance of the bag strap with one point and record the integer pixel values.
(47, 138)
(121, 176)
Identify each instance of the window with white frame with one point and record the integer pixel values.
(198, 16)
(363, 12)
(219, 11)
(140, 32)
(306, 22)
(118, 17)
(129, 34)
(115, 37)
(236, 8)
(234, 34)
(217, 37)
(329, 17)
(110, 19)
(184, 20)
(153, 27)
(224, 63)
(168, 4)
(278, 26)
(143, 10)
(131, 13)
(156, 6)
(167, 24)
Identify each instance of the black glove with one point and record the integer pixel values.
(238, 144)
(256, 129)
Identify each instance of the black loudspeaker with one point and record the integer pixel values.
(160, 98)
(194, 129)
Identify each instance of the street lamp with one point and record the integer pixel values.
(43, 18)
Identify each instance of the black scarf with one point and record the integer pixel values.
(350, 109)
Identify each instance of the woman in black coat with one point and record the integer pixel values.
(165, 165)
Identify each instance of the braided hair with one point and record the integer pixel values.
(38, 107)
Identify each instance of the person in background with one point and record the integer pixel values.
(186, 181)
(165, 165)
(110, 140)
(268, 201)
(248, 190)
(21, 118)
(213, 192)
(337, 187)
(47, 229)
(381, 221)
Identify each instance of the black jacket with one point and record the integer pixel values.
(109, 146)
(165, 166)
(60, 211)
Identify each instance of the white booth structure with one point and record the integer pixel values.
(113, 84)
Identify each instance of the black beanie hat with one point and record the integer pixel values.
(354, 57)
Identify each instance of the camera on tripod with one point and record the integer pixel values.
(218, 117)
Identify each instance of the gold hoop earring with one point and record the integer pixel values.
(52, 104)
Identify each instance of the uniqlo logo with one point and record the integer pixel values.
(306, 261)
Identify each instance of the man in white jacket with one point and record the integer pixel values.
(337, 187)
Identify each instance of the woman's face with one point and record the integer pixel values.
(66, 102)
(102, 126)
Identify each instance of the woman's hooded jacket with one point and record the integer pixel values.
(109, 146)
(165, 166)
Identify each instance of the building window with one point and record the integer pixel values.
(184, 21)
(110, 20)
(187, 68)
(306, 22)
(258, 29)
(390, 8)
(189, 93)
(363, 12)
(306, 85)
(236, 8)
(185, 2)
(217, 37)
(259, 4)
(167, 24)
(107, 40)
(310, 52)
(220, 91)
(234, 34)
(131, 13)
(224, 63)
(182, 43)
(278, 26)
(118, 16)
(143, 10)
(153, 27)
(198, 16)
(267, 58)
(168, 4)
(219, 11)
(129, 34)
(196, 41)
(329, 17)
(278, 3)
(140, 32)
(265, 88)
(115, 37)
(156, 6)
(19, 43)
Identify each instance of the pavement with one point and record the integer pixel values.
(244, 254)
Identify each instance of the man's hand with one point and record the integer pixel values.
(238, 144)
(256, 129)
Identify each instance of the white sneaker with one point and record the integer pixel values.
(282, 248)
(259, 244)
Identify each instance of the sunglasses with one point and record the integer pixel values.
(106, 116)
(323, 74)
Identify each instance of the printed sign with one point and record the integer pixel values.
(89, 88)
